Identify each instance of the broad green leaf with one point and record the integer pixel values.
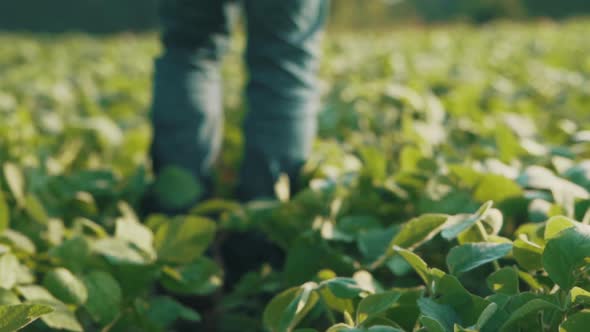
(468, 307)
(4, 213)
(431, 324)
(494, 220)
(65, 286)
(285, 310)
(16, 182)
(472, 255)
(419, 230)
(374, 242)
(381, 328)
(8, 270)
(417, 264)
(104, 297)
(132, 231)
(406, 311)
(198, 278)
(375, 304)
(486, 315)
(565, 253)
(8, 297)
(504, 281)
(497, 188)
(62, 318)
(532, 307)
(577, 322)
(176, 188)
(163, 311)
(438, 315)
(531, 281)
(343, 328)
(528, 254)
(17, 241)
(214, 206)
(184, 239)
(342, 305)
(15, 317)
(36, 210)
(87, 224)
(580, 296)
(72, 253)
(460, 223)
(557, 224)
(344, 288)
(119, 251)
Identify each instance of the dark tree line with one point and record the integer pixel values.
(101, 16)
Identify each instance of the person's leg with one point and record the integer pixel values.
(284, 42)
(282, 58)
(187, 107)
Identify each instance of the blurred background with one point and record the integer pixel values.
(107, 16)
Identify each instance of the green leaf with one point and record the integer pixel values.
(417, 264)
(72, 253)
(15, 317)
(504, 281)
(528, 255)
(497, 188)
(472, 255)
(437, 316)
(406, 311)
(486, 315)
(531, 307)
(119, 251)
(214, 206)
(578, 322)
(65, 286)
(375, 304)
(431, 324)
(462, 222)
(104, 297)
(346, 328)
(35, 209)
(183, 239)
(343, 328)
(61, 318)
(8, 297)
(4, 213)
(8, 270)
(163, 311)
(468, 307)
(557, 224)
(133, 232)
(580, 296)
(341, 305)
(418, 230)
(344, 288)
(381, 328)
(198, 278)
(287, 309)
(565, 253)
(17, 241)
(16, 182)
(176, 188)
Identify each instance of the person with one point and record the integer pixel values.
(282, 56)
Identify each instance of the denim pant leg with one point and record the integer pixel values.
(187, 112)
(284, 44)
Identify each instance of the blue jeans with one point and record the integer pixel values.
(282, 59)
